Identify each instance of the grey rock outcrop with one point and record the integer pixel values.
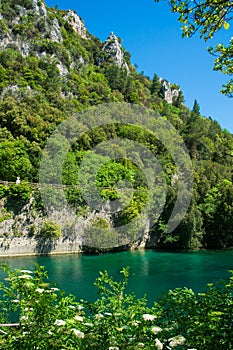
(55, 32)
(62, 69)
(11, 40)
(39, 8)
(16, 43)
(168, 92)
(16, 92)
(76, 23)
(45, 28)
(21, 232)
(114, 50)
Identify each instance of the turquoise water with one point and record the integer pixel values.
(153, 273)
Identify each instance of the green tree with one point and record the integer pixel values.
(178, 100)
(156, 85)
(16, 161)
(207, 18)
(218, 210)
(196, 108)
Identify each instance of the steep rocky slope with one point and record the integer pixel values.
(52, 68)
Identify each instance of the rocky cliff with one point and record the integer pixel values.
(168, 91)
(26, 230)
(115, 51)
(31, 28)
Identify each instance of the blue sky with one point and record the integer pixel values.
(151, 33)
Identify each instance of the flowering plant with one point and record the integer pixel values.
(36, 315)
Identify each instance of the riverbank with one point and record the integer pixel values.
(23, 246)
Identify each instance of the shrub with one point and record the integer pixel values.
(20, 191)
(47, 318)
(50, 230)
(3, 191)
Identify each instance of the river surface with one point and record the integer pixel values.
(153, 273)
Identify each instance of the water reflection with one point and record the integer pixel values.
(153, 273)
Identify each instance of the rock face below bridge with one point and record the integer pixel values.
(29, 231)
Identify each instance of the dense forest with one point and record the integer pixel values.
(51, 67)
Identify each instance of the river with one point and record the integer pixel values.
(153, 273)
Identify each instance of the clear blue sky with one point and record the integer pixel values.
(152, 35)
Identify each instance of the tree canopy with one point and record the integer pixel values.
(207, 18)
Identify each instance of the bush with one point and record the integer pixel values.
(17, 195)
(48, 319)
(20, 191)
(50, 230)
(100, 236)
(3, 191)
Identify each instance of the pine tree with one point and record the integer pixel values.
(196, 107)
(156, 85)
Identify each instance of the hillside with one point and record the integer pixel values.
(51, 68)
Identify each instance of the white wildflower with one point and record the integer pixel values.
(158, 344)
(23, 318)
(15, 301)
(55, 289)
(78, 318)
(39, 290)
(176, 341)
(59, 323)
(9, 279)
(26, 271)
(28, 309)
(156, 329)
(108, 313)
(141, 345)
(99, 316)
(148, 317)
(135, 323)
(132, 339)
(78, 333)
(50, 333)
(80, 307)
(88, 324)
(25, 276)
(113, 348)
(71, 307)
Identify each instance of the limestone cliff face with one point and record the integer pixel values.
(23, 233)
(44, 26)
(46, 30)
(76, 23)
(49, 28)
(11, 38)
(168, 92)
(114, 50)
